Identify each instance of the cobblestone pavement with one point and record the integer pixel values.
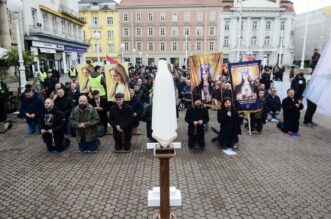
(273, 176)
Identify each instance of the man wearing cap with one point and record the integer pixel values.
(121, 119)
(100, 104)
(84, 118)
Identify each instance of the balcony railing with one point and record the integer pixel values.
(34, 29)
(95, 26)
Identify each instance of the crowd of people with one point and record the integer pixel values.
(61, 109)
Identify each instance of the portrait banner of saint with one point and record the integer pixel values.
(204, 69)
(84, 72)
(117, 81)
(243, 78)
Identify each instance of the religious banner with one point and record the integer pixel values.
(204, 69)
(243, 76)
(117, 81)
(84, 72)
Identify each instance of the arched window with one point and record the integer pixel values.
(266, 41)
(253, 41)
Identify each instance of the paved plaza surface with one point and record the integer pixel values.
(272, 176)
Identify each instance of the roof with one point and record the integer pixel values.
(96, 1)
(168, 3)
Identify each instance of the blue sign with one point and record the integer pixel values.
(75, 49)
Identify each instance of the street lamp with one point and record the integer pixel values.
(302, 66)
(97, 38)
(16, 6)
(134, 56)
(122, 49)
(239, 39)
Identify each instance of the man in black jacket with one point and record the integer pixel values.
(291, 113)
(65, 105)
(49, 83)
(266, 78)
(273, 106)
(100, 104)
(52, 128)
(298, 84)
(137, 107)
(121, 118)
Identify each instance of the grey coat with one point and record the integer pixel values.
(90, 118)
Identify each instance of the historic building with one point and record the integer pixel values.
(53, 31)
(101, 17)
(318, 32)
(171, 30)
(263, 28)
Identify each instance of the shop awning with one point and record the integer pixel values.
(47, 50)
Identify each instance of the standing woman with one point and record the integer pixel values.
(230, 124)
(120, 83)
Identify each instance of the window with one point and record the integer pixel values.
(174, 31)
(111, 48)
(253, 41)
(138, 17)
(226, 41)
(187, 31)
(266, 41)
(110, 34)
(62, 26)
(110, 21)
(227, 25)
(174, 16)
(187, 45)
(282, 25)
(138, 31)
(162, 16)
(150, 16)
(69, 29)
(84, 35)
(212, 16)
(150, 46)
(34, 16)
(95, 20)
(45, 21)
(54, 24)
(125, 16)
(174, 46)
(162, 31)
(162, 46)
(199, 46)
(281, 41)
(211, 46)
(242, 25)
(199, 16)
(126, 31)
(211, 31)
(126, 46)
(96, 46)
(198, 31)
(268, 25)
(187, 16)
(139, 46)
(254, 27)
(150, 31)
(74, 30)
(83, 19)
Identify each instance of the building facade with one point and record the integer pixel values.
(53, 31)
(318, 32)
(101, 16)
(170, 30)
(265, 31)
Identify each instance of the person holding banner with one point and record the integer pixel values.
(228, 118)
(196, 117)
(258, 118)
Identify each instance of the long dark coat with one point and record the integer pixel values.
(229, 126)
(196, 114)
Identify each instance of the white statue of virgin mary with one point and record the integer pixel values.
(164, 120)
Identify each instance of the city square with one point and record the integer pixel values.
(165, 109)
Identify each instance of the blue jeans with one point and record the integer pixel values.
(88, 146)
(273, 116)
(33, 128)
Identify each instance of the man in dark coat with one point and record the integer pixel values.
(146, 116)
(100, 104)
(266, 78)
(137, 107)
(65, 104)
(31, 107)
(298, 84)
(56, 74)
(49, 83)
(121, 119)
(228, 118)
(273, 106)
(291, 113)
(314, 59)
(52, 128)
(196, 117)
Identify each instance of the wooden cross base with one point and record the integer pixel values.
(158, 216)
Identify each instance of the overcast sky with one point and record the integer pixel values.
(301, 5)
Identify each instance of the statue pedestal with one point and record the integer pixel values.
(154, 197)
(152, 146)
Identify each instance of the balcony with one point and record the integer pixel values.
(95, 26)
(38, 30)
